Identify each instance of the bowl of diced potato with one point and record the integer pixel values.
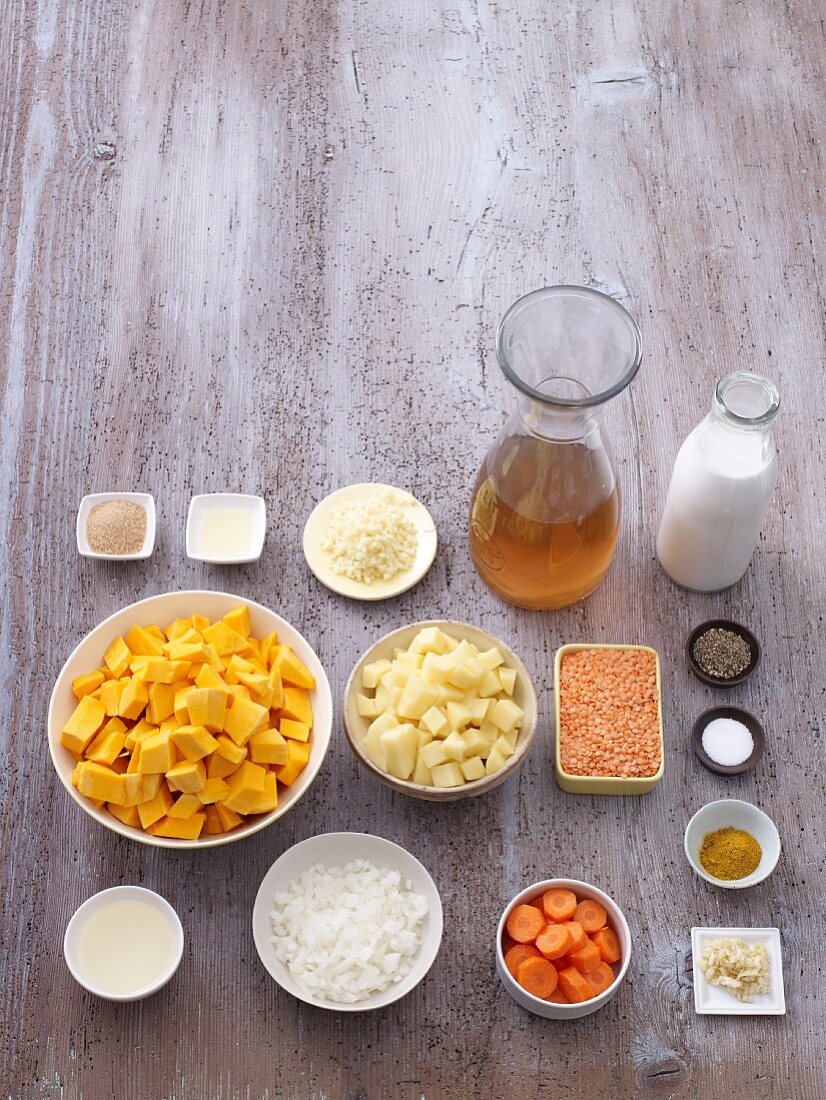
(440, 710)
(190, 719)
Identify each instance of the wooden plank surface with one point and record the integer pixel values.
(264, 247)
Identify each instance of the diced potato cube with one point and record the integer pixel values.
(503, 747)
(189, 776)
(489, 731)
(454, 746)
(185, 806)
(435, 721)
(398, 676)
(372, 743)
(297, 705)
(458, 715)
(472, 769)
(476, 744)
(244, 718)
(84, 722)
(511, 738)
(117, 657)
(382, 696)
(195, 742)
(478, 710)
(366, 707)
(268, 747)
(489, 685)
(214, 790)
(506, 715)
(416, 698)
(99, 782)
(507, 677)
(437, 669)
(108, 744)
(421, 773)
(434, 754)
(430, 639)
(466, 673)
(207, 707)
(400, 748)
(424, 737)
(494, 762)
(372, 673)
(447, 775)
(448, 694)
(228, 749)
(299, 756)
(412, 662)
(85, 685)
(491, 658)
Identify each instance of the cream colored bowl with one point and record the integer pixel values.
(88, 655)
(524, 696)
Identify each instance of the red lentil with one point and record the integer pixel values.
(608, 713)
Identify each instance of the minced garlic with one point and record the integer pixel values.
(373, 539)
(741, 968)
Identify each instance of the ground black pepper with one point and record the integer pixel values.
(722, 653)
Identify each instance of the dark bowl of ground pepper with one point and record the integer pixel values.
(722, 653)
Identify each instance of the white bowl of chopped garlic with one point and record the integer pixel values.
(259, 696)
(440, 710)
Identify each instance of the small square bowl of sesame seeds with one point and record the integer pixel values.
(609, 721)
(116, 526)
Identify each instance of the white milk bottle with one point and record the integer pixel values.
(721, 486)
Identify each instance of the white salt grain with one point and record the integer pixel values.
(727, 742)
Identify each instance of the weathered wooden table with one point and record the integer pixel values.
(264, 247)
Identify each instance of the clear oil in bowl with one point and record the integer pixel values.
(544, 521)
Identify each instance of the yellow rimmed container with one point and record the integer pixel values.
(605, 784)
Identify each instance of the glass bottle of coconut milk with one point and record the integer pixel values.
(723, 479)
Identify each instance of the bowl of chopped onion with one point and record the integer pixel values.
(347, 921)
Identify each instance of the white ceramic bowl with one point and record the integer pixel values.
(334, 850)
(88, 655)
(524, 695)
(97, 902)
(740, 815)
(616, 920)
(146, 500)
(252, 508)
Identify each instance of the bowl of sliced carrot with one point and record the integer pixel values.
(562, 948)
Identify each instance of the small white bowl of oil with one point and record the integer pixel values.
(124, 944)
(226, 528)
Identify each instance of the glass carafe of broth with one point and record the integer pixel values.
(545, 511)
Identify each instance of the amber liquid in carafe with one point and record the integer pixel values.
(544, 521)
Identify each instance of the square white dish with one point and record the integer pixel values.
(250, 509)
(712, 1000)
(146, 500)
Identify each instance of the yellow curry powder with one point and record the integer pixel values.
(730, 853)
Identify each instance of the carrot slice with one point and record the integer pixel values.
(601, 978)
(578, 936)
(558, 997)
(537, 904)
(524, 924)
(574, 986)
(537, 976)
(587, 958)
(553, 941)
(590, 915)
(559, 905)
(517, 954)
(608, 944)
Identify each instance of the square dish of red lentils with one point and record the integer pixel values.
(609, 712)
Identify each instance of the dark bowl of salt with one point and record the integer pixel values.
(722, 653)
(726, 739)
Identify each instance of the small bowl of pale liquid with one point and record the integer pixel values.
(124, 944)
(226, 528)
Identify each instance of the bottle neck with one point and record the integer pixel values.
(557, 423)
(746, 402)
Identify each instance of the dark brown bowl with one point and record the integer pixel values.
(748, 720)
(735, 628)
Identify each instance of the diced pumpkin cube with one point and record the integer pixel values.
(108, 744)
(84, 722)
(178, 627)
(110, 694)
(120, 764)
(244, 785)
(265, 800)
(85, 685)
(229, 818)
(265, 645)
(214, 790)
(277, 689)
(157, 753)
(182, 705)
(226, 640)
(218, 767)
(212, 825)
(447, 775)
(239, 620)
(161, 702)
(297, 705)
(133, 700)
(127, 814)
(293, 671)
(140, 788)
(237, 691)
(143, 644)
(200, 623)
(268, 747)
(196, 653)
(188, 828)
(189, 776)
(209, 677)
(99, 782)
(299, 754)
(117, 657)
(229, 750)
(141, 729)
(296, 731)
(159, 670)
(244, 718)
(185, 806)
(235, 667)
(195, 742)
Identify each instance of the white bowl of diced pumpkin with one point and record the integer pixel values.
(440, 710)
(190, 719)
